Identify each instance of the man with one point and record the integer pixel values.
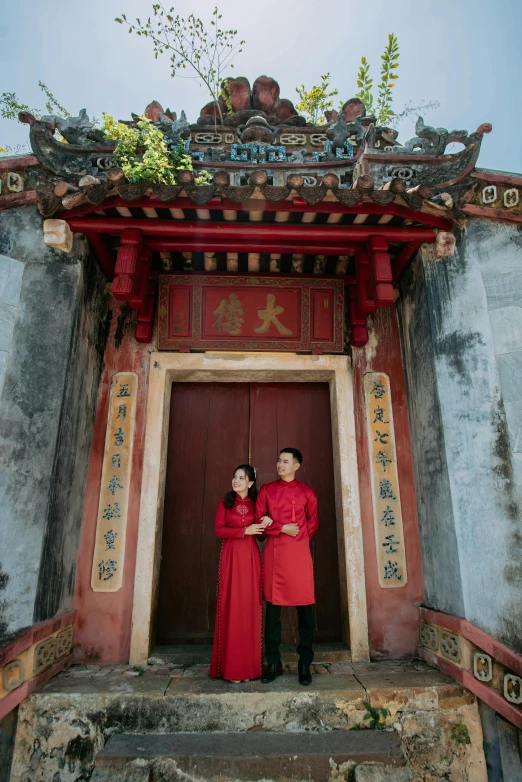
(289, 508)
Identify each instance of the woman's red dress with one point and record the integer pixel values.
(237, 636)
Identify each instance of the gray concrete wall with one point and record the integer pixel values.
(52, 364)
(460, 317)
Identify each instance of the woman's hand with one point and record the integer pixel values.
(290, 529)
(266, 521)
(254, 529)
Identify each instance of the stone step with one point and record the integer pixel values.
(192, 654)
(213, 757)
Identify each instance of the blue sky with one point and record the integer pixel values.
(464, 54)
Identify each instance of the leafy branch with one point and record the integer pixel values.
(375, 715)
(206, 51)
(382, 107)
(314, 103)
(10, 105)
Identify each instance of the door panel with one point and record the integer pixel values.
(298, 415)
(208, 438)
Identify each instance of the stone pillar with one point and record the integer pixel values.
(462, 340)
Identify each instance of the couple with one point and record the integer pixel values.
(284, 512)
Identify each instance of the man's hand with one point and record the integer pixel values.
(266, 521)
(290, 529)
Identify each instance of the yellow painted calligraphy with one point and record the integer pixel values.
(387, 513)
(228, 315)
(269, 315)
(109, 549)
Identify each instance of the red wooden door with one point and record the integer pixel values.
(208, 438)
(285, 415)
(213, 428)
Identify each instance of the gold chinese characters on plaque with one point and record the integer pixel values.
(111, 527)
(387, 514)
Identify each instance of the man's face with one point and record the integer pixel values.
(287, 465)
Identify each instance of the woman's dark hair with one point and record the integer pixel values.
(230, 496)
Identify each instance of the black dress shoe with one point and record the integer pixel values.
(305, 677)
(271, 671)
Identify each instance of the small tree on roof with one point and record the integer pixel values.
(314, 103)
(206, 51)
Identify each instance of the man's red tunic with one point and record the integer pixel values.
(288, 571)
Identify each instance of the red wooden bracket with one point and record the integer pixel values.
(126, 280)
(145, 325)
(365, 300)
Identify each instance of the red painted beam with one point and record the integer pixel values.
(103, 254)
(252, 231)
(195, 244)
(259, 205)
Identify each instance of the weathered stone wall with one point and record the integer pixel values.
(462, 340)
(51, 370)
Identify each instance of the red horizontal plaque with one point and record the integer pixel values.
(250, 313)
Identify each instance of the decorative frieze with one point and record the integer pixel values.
(511, 198)
(482, 667)
(109, 549)
(14, 182)
(13, 675)
(44, 654)
(450, 646)
(389, 535)
(64, 643)
(513, 688)
(429, 636)
(489, 194)
(293, 139)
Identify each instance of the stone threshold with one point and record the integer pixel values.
(198, 654)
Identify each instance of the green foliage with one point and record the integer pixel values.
(390, 62)
(375, 715)
(224, 95)
(10, 105)
(382, 106)
(315, 102)
(138, 669)
(460, 734)
(365, 84)
(144, 155)
(205, 51)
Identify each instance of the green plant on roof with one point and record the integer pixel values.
(144, 155)
(312, 104)
(382, 105)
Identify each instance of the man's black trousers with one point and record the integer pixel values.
(305, 616)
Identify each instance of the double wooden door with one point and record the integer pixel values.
(213, 428)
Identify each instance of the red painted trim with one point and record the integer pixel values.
(18, 199)
(503, 654)
(252, 231)
(260, 205)
(33, 634)
(402, 260)
(103, 254)
(505, 215)
(233, 246)
(482, 691)
(14, 163)
(498, 179)
(348, 278)
(15, 697)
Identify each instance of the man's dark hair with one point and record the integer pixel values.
(298, 456)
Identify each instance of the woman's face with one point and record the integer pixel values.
(240, 482)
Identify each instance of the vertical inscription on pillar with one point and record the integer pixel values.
(109, 549)
(387, 514)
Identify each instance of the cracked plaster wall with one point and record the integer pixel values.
(461, 321)
(52, 334)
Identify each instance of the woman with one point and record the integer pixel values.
(236, 655)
